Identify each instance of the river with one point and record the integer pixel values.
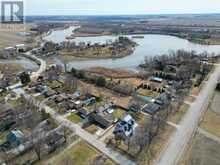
(150, 45)
(24, 62)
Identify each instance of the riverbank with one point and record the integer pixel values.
(111, 73)
(88, 55)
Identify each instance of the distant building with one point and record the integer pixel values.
(156, 79)
(9, 52)
(125, 128)
(151, 108)
(21, 48)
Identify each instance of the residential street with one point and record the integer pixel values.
(114, 155)
(189, 124)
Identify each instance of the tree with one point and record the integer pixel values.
(65, 133)
(73, 71)
(38, 144)
(25, 78)
(218, 87)
(45, 115)
(70, 83)
(81, 74)
(101, 82)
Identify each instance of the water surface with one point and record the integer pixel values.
(151, 45)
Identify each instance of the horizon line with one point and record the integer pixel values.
(138, 14)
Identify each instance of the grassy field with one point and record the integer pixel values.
(80, 154)
(160, 142)
(10, 37)
(202, 151)
(195, 90)
(148, 93)
(74, 118)
(216, 103)
(119, 113)
(190, 99)
(211, 123)
(40, 98)
(176, 118)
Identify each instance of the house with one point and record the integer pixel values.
(151, 108)
(162, 99)
(156, 79)
(125, 127)
(60, 98)
(83, 112)
(89, 101)
(21, 48)
(50, 93)
(77, 104)
(9, 52)
(40, 88)
(135, 107)
(14, 138)
(55, 140)
(103, 118)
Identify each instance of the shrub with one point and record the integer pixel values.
(100, 81)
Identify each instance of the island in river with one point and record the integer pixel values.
(121, 47)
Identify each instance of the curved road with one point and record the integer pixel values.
(172, 154)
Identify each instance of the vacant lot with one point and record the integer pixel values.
(80, 154)
(114, 73)
(10, 37)
(202, 151)
(216, 103)
(211, 119)
(177, 116)
(211, 123)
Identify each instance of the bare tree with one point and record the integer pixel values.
(70, 83)
(38, 143)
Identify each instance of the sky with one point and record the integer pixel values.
(120, 7)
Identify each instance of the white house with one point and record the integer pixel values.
(21, 47)
(125, 128)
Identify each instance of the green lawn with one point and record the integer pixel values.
(149, 93)
(80, 154)
(40, 98)
(119, 113)
(74, 118)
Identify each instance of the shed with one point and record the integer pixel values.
(50, 93)
(14, 138)
(156, 79)
(151, 108)
(83, 112)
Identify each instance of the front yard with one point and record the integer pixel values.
(74, 118)
(80, 154)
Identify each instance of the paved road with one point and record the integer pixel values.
(43, 65)
(189, 124)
